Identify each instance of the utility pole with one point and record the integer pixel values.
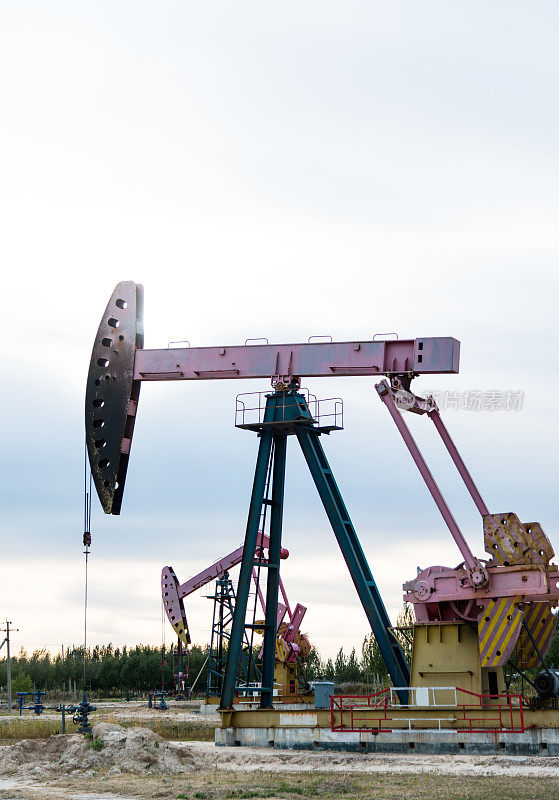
(6, 630)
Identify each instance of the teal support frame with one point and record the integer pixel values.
(272, 584)
(243, 586)
(287, 413)
(355, 558)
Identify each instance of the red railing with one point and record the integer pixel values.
(355, 711)
(288, 694)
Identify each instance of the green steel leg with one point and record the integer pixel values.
(354, 557)
(251, 538)
(276, 518)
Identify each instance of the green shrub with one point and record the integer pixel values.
(95, 744)
(21, 682)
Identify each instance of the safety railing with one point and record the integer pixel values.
(289, 694)
(327, 413)
(283, 693)
(471, 712)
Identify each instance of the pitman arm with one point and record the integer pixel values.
(476, 571)
(506, 539)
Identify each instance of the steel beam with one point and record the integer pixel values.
(428, 355)
(272, 585)
(243, 588)
(354, 557)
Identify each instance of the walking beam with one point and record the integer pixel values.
(119, 365)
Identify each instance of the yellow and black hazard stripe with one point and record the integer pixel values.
(498, 630)
(541, 622)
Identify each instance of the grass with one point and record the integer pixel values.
(33, 728)
(18, 728)
(231, 785)
(222, 784)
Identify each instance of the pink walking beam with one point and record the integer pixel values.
(220, 566)
(427, 355)
(228, 562)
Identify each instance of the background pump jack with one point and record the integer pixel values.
(492, 605)
(291, 643)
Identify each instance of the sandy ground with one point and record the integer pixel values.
(247, 759)
(187, 711)
(134, 763)
(219, 766)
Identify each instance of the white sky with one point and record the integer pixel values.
(281, 170)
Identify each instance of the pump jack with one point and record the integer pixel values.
(291, 643)
(517, 586)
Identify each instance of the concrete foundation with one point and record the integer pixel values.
(208, 708)
(538, 741)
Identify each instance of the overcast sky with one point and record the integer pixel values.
(281, 170)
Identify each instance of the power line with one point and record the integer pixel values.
(7, 630)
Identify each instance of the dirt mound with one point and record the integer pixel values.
(112, 748)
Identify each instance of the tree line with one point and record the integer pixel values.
(112, 671)
(109, 670)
